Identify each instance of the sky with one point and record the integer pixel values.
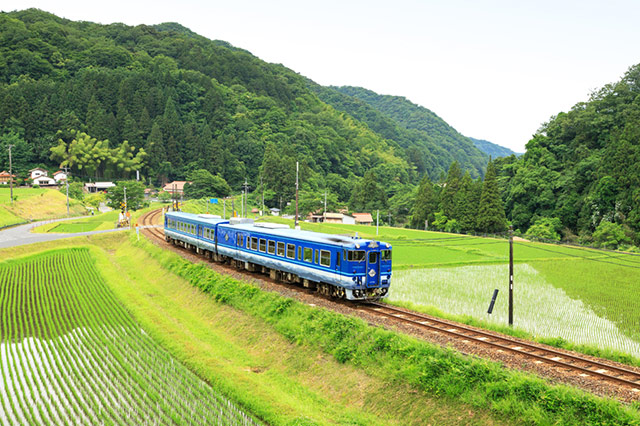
(494, 70)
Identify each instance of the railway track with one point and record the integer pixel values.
(538, 353)
(586, 367)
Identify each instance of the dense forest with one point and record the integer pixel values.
(188, 102)
(431, 145)
(581, 170)
(492, 149)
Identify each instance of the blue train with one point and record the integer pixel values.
(338, 266)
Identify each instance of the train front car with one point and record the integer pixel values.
(368, 265)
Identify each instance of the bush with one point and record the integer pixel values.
(545, 228)
(610, 235)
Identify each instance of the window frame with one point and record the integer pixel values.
(323, 258)
(293, 250)
(271, 247)
(280, 249)
(262, 245)
(307, 254)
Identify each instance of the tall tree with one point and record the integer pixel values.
(425, 205)
(491, 216)
(451, 187)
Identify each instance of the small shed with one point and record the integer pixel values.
(98, 186)
(363, 218)
(274, 211)
(347, 219)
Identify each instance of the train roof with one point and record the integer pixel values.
(316, 237)
(269, 228)
(204, 218)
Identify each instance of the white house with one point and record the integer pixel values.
(98, 186)
(37, 172)
(44, 181)
(60, 176)
(274, 211)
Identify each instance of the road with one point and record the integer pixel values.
(21, 235)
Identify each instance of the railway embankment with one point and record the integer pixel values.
(426, 369)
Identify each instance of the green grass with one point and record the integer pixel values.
(101, 221)
(73, 354)
(594, 284)
(400, 359)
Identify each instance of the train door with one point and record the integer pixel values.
(373, 268)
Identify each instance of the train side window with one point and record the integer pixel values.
(299, 252)
(308, 255)
(291, 251)
(325, 258)
(254, 243)
(263, 245)
(280, 248)
(271, 247)
(338, 260)
(316, 257)
(240, 240)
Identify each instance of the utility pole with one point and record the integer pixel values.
(377, 220)
(511, 275)
(296, 223)
(66, 173)
(246, 213)
(125, 202)
(11, 173)
(262, 188)
(325, 204)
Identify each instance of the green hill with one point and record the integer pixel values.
(431, 145)
(583, 167)
(189, 102)
(492, 149)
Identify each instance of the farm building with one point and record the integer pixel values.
(331, 218)
(60, 176)
(175, 187)
(5, 176)
(44, 181)
(37, 172)
(98, 186)
(363, 218)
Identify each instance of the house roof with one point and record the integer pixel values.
(333, 215)
(362, 217)
(179, 185)
(58, 172)
(6, 174)
(38, 168)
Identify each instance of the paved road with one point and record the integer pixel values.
(20, 235)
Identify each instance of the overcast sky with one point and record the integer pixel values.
(494, 70)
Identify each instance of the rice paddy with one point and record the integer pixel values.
(71, 354)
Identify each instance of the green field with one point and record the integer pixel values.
(579, 295)
(72, 354)
(35, 204)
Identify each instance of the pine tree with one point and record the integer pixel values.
(491, 216)
(425, 205)
(451, 187)
(466, 202)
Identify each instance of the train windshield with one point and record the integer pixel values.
(356, 255)
(385, 254)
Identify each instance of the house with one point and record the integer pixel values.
(5, 176)
(93, 187)
(363, 218)
(347, 219)
(37, 172)
(274, 211)
(44, 181)
(333, 217)
(175, 187)
(60, 176)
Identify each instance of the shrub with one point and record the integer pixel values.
(609, 235)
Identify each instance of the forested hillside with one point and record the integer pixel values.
(431, 144)
(491, 149)
(190, 103)
(582, 170)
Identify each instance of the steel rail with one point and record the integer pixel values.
(518, 347)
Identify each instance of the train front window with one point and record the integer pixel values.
(373, 257)
(385, 255)
(356, 255)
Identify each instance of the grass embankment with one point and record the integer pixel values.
(570, 297)
(35, 204)
(395, 358)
